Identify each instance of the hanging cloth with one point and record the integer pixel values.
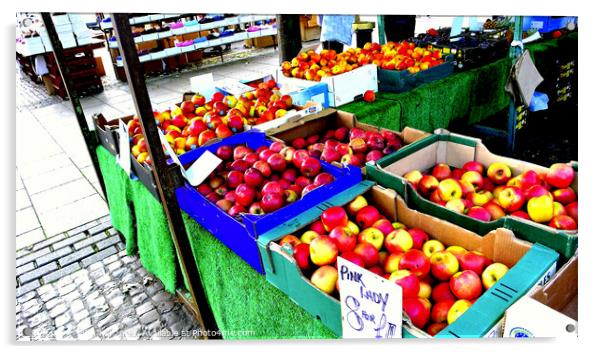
(523, 80)
(337, 28)
(40, 65)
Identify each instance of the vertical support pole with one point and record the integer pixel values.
(380, 19)
(289, 36)
(89, 137)
(515, 51)
(164, 175)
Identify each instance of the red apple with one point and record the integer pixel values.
(272, 187)
(245, 194)
(440, 310)
(495, 210)
(358, 145)
(443, 265)
(374, 155)
(301, 254)
(277, 162)
(368, 252)
(353, 258)
(466, 285)
(441, 171)
(427, 184)
(560, 175)
(367, 216)
(240, 151)
(224, 152)
(435, 328)
(442, 292)
(323, 250)
(240, 165)
(333, 217)
(263, 167)
(253, 177)
(479, 213)
(298, 143)
(409, 283)
(256, 209)
(417, 311)
(564, 195)
(341, 134)
(474, 166)
(521, 214)
(236, 209)
(277, 146)
(310, 167)
(511, 198)
(563, 222)
(323, 178)
(419, 237)
(234, 178)
(398, 241)
(474, 261)
(499, 173)
(343, 238)
(350, 159)
(528, 179)
(416, 262)
(271, 202)
(572, 211)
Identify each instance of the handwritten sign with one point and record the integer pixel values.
(371, 306)
(529, 318)
(124, 148)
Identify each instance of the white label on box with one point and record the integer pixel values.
(172, 154)
(544, 278)
(371, 306)
(124, 148)
(233, 87)
(201, 168)
(203, 84)
(529, 318)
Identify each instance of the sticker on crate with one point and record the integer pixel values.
(370, 306)
(529, 318)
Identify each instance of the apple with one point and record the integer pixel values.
(558, 209)
(355, 133)
(224, 152)
(457, 251)
(456, 205)
(350, 159)
(323, 250)
(572, 211)
(449, 189)
(330, 155)
(441, 171)
(391, 263)
(290, 239)
(560, 175)
(563, 222)
(474, 166)
(240, 165)
(298, 143)
(240, 151)
(492, 274)
(416, 262)
(457, 174)
(310, 167)
(356, 205)
(353, 258)
(435, 328)
(373, 236)
(263, 167)
(521, 214)
(417, 311)
(271, 202)
(368, 252)
(528, 179)
(479, 213)
(318, 227)
(236, 209)
(474, 261)
(277, 146)
(499, 173)
(343, 238)
(511, 198)
(333, 217)
(494, 209)
(442, 292)
(299, 156)
(251, 158)
(325, 278)
(398, 241)
(564, 195)
(204, 189)
(367, 216)
(272, 187)
(384, 226)
(277, 162)
(224, 204)
(536, 191)
(440, 310)
(409, 283)
(473, 177)
(443, 265)
(466, 187)
(323, 178)
(341, 133)
(309, 236)
(374, 155)
(427, 184)
(432, 246)
(479, 198)
(353, 228)
(301, 255)
(369, 96)
(245, 194)
(413, 177)
(425, 290)
(541, 209)
(466, 285)
(457, 309)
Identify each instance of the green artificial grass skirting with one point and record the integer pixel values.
(139, 217)
(244, 304)
(381, 113)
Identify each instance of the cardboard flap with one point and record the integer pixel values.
(410, 135)
(561, 291)
(502, 246)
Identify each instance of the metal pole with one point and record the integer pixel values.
(89, 137)
(164, 175)
(289, 36)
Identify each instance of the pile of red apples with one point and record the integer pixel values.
(439, 283)
(353, 146)
(193, 123)
(492, 193)
(261, 181)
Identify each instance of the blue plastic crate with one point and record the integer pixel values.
(241, 237)
(545, 24)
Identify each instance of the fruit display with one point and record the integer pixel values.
(402, 56)
(192, 123)
(355, 146)
(488, 193)
(263, 180)
(440, 282)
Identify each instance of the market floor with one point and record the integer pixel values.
(73, 279)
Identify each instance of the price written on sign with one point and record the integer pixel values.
(371, 306)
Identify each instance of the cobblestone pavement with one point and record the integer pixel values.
(81, 285)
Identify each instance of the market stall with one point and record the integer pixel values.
(243, 286)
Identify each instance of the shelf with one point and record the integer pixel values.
(142, 20)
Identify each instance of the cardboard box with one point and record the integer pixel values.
(455, 150)
(106, 131)
(530, 264)
(330, 118)
(241, 236)
(346, 87)
(264, 42)
(401, 81)
(550, 310)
